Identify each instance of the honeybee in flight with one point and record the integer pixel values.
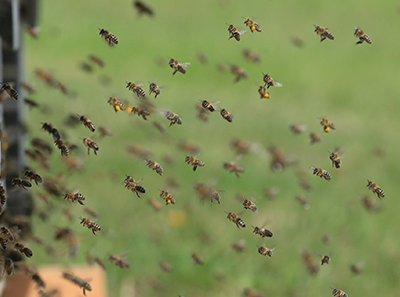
(325, 260)
(197, 259)
(75, 197)
(23, 249)
(9, 266)
(173, 117)
(310, 263)
(153, 88)
(252, 56)
(38, 280)
(235, 218)
(375, 189)
(362, 36)
(194, 162)
(21, 183)
(93, 259)
(143, 8)
(226, 115)
(328, 125)
(178, 66)
(63, 147)
(269, 81)
(87, 123)
(90, 225)
(262, 250)
(234, 32)
(169, 199)
(314, 138)
(323, 33)
(33, 176)
(10, 91)
(338, 293)
(7, 234)
(155, 204)
(155, 166)
(248, 204)
(82, 283)
(263, 92)
(321, 173)
(136, 88)
(97, 60)
(118, 105)
(335, 158)
(140, 112)
(3, 198)
(232, 167)
(296, 129)
(109, 37)
(262, 232)
(239, 246)
(208, 105)
(134, 186)
(119, 260)
(239, 72)
(252, 25)
(53, 131)
(28, 88)
(90, 144)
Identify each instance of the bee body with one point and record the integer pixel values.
(328, 125)
(235, 218)
(21, 183)
(153, 88)
(323, 33)
(78, 281)
(227, 115)
(375, 189)
(143, 8)
(169, 199)
(174, 64)
(90, 144)
(135, 88)
(232, 167)
(9, 266)
(269, 81)
(10, 91)
(23, 249)
(87, 123)
(263, 92)
(339, 293)
(116, 104)
(234, 32)
(134, 186)
(197, 259)
(252, 25)
(208, 105)
(75, 197)
(63, 148)
(262, 232)
(97, 60)
(119, 261)
(155, 166)
(262, 250)
(33, 176)
(248, 204)
(173, 117)
(90, 225)
(109, 37)
(140, 112)
(321, 173)
(325, 259)
(336, 160)
(194, 162)
(362, 36)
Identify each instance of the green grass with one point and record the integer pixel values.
(356, 87)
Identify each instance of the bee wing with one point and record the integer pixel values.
(185, 64)
(277, 84)
(242, 32)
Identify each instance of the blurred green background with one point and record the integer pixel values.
(354, 86)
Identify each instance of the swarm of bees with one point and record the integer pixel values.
(109, 37)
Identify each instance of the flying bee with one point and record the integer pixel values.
(10, 91)
(165, 266)
(82, 283)
(90, 225)
(153, 88)
(140, 112)
(9, 266)
(252, 56)
(143, 8)
(38, 280)
(269, 81)
(226, 115)
(109, 37)
(248, 204)
(33, 176)
(67, 235)
(23, 249)
(323, 33)
(310, 263)
(262, 250)
(28, 88)
(90, 144)
(356, 268)
(375, 189)
(21, 183)
(370, 204)
(197, 259)
(336, 160)
(208, 105)
(328, 125)
(362, 36)
(91, 211)
(74, 197)
(155, 166)
(3, 199)
(167, 197)
(241, 146)
(93, 259)
(262, 232)
(232, 167)
(321, 173)
(155, 204)
(239, 246)
(97, 60)
(296, 129)
(136, 88)
(53, 131)
(134, 186)
(105, 131)
(263, 92)
(252, 25)
(87, 123)
(314, 138)
(235, 218)
(119, 260)
(6, 234)
(63, 148)
(239, 72)
(178, 66)
(118, 105)
(173, 117)
(194, 162)
(325, 260)
(338, 293)
(234, 32)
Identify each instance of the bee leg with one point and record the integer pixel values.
(194, 168)
(80, 202)
(322, 39)
(174, 72)
(94, 232)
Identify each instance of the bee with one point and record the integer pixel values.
(97, 60)
(303, 201)
(28, 88)
(375, 189)
(91, 212)
(105, 131)
(370, 204)
(248, 204)
(325, 260)
(251, 56)
(92, 259)
(235, 218)
(269, 81)
(3, 199)
(33, 176)
(82, 283)
(338, 293)
(167, 197)
(189, 147)
(214, 195)
(336, 160)
(21, 183)
(296, 129)
(328, 125)
(178, 66)
(310, 263)
(10, 91)
(239, 72)
(263, 92)
(74, 197)
(208, 105)
(90, 225)
(173, 117)
(153, 88)
(9, 266)
(234, 32)
(6, 234)
(155, 204)
(252, 293)
(314, 137)
(47, 77)
(155, 166)
(241, 146)
(323, 33)
(321, 173)
(197, 259)
(362, 36)
(90, 144)
(53, 131)
(38, 280)
(87, 123)
(23, 249)
(31, 103)
(110, 38)
(262, 232)
(226, 115)
(194, 162)
(239, 246)
(138, 151)
(135, 88)
(140, 112)
(33, 31)
(165, 266)
(134, 186)
(63, 148)
(118, 105)
(262, 250)
(252, 25)
(70, 239)
(143, 8)
(119, 260)
(232, 167)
